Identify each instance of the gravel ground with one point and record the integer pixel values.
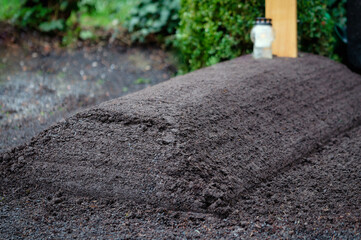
(42, 83)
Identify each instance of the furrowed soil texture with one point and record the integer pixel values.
(241, 149)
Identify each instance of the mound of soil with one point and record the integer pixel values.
(242, 139)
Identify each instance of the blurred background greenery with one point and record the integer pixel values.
(200, 32)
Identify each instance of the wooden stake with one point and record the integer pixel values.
(284, 20)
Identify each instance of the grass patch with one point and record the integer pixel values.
(61, 75)
(2, 66)
(142, 81)
(107, 13)
(100, 82)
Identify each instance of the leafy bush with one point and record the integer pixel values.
(316, 27)
(49, 15)
(212, 31)
(337, 9)
(217, 30)
(9, 8)
(153, 17)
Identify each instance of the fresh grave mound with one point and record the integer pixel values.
(197, 142)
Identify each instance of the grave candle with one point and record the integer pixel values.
(262, 35)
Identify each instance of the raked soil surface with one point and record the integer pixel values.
(243, 149)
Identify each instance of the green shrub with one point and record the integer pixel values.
(151, 17)
(9, 8)
(337, 9)
(316, 28)
(216, 30)
(46, 16)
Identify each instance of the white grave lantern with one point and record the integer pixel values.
(262, 35)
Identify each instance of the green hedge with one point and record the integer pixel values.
(45, 15)
(215, 30)
(153, 17)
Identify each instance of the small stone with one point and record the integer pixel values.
(57, 200)
(104, 119)
(21, 159)
(243, 223)
(258, 226)
(174, 130)
(168, 139)
(237, 231)
(13, 168)
(6, 157)
(170, 119)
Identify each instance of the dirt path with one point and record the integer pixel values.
(41, 84)
(242, 149)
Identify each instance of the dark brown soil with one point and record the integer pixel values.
(241, 149)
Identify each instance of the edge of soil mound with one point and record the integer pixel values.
(197, 142)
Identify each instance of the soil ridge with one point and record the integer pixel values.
(197, 142)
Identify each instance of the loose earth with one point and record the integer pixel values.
(241, 149)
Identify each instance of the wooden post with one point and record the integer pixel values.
(284, 20)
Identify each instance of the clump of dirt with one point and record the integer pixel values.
(221, 141)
